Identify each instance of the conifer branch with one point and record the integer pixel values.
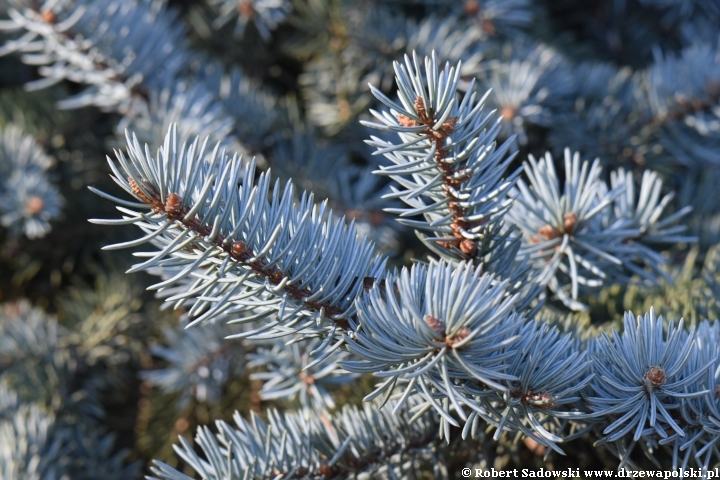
(446, 161)
(207, 214)
(323, 446)
(590, 232)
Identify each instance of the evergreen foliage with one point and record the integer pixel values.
(29, 200)
(385, 239)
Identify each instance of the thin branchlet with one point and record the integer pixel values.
(237, 250)
(463, 198)
(452, 175)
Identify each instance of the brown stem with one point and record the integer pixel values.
(452, 176)
(362, 463)
(238, 251)
(50, 18)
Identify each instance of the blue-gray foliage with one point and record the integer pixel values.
(280, 366)
(648, 372)
(470, 336)
(444, 336)
(262, 255)
(264, 14)
(199, 363)
(591, 231)
(28, 200)
(49, 414)
(305, 444)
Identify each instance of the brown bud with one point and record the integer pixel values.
(173, 205)
(472, 7)
(420, 109)
(325, 470)
(459, 336)
(376, 217)
(275, 276)
(141, 195)
(447, 127)
(435, 323)
(508, 113)
(406, 121)
(237, 249)
(34, 205)
(344, 109)
(656, 376)
(352, 214)
(136, 190)
(541, 400)
(48, 17)
(181, 425)
(569, 221)
(245, 9)
(488, 26)
(468, 246)
(306, 378)
(548, 232)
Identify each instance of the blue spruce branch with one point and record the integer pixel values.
(309, 445)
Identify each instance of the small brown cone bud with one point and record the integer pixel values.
(447, 128)
(173, 206)
(548, 232)
(344, 109)
(376, 217)
(459, 336)
(436, 324)
(154, 202)
(569, 222)
(34, 205)
(237, 249)
(181, 425)
(48, 17)
(420, 109)
(467, 246)
(406, 121)
(488, 26)
(325, 470)
(276, 276)
(472, 7)
(508, 113)
(245, 9)
(541, 400)
(306, 378)
(656, 376)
